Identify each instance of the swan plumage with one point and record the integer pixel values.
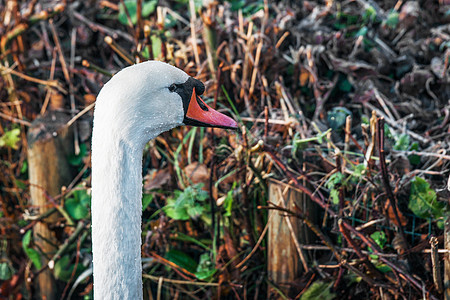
(136, 105)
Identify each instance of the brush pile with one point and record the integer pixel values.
(344, 102)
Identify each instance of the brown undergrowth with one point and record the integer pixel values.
(346, 102)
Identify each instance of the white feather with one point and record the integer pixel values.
(132, 108)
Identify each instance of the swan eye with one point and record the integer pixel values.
(172, 87)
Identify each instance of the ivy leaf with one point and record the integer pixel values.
(76, 160)
(32, 254)
(5, 271)
(78, 205)
(237, 4)
(414, 159)
(336, 117)
(63, 268)
(10, 139)
(148, 7)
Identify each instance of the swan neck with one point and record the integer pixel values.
(116, 217)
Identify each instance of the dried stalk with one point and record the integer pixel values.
(386, 184)
(193, 33)
(122, 53)
(436, 265)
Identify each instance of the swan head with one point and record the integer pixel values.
(146, 99)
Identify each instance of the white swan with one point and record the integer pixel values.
(136, 105)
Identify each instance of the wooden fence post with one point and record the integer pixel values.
(286, 260)
(447, 258)
(49, 145)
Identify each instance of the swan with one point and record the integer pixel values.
(136, 105)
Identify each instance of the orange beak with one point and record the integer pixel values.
(200, 114)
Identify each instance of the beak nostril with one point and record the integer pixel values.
(202, 104)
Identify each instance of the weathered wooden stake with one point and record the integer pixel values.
(286, 260)
(49, 145)
(447, 258)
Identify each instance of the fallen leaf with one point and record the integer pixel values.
(197, 173)
(391, 215)
(156, 179)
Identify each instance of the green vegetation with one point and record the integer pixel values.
(343, 101)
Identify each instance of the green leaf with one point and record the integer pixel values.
(228, 203)
(78, 205)
(77, 160)
(20, 184)
(32, 254)
(195, 211)
(365, 120)
(414, 159)
(75, 209)
(205, 275)
(336, 117)
(402, 143)
(248, 9)
(334, 179)
(156, 45)
(148, 7)
(359, 171)
(319, 290)
(440, 223)
(181, 259)
(387, 131)
(237, 4)
(24, 167)
(188, 203)
(10, 139)
(334, 195)
(5, 271)
(370, 14)
(145, 53)
(423, 201)
(384, 268)
(379, 237)
(345, 86)
(174, 211)
(63, 268)
(206, 268)
(146, 200)
(362, 31)
(392, 19)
